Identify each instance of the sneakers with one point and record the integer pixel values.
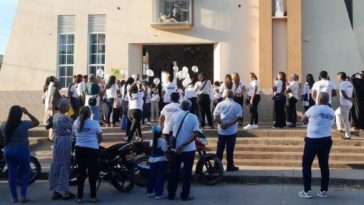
(306, 195)
(248, 127)
(322, 194)
(347, 137)
(255, 126)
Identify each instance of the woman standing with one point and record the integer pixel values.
(112, 92)
(307, 100)
(16, 149)
(203, 88)
(59, 172)
(253, 101)
(239, 90)
(227, 84)
(168, 89)
(88, 136)
(279, 98)
(191, 95)
(135, 112)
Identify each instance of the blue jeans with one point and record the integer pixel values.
(187, 158)
(320, 147)
(227, 141)
(95, 113)
(18, 160)
(156, 178)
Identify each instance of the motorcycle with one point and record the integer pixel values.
(209, 168)
(114, 168)
(35, 169)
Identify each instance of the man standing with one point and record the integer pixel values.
(342, 113)
(166, 114)
(292, 91)
(324, 85)
(357, 111)
(227, 114)
(185, 128)
(93, 94)
(318, 142)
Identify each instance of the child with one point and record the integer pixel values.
(217, 95)
(147, 104)
(155, 104)
(157, 163)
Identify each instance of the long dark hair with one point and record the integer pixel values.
(133, 89)
(111, 82)
(85, 113)
(156, 136)
(228, 81)
(13, 121)
(284, 80)
(310, 80)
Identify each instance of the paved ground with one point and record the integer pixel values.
(221, 194)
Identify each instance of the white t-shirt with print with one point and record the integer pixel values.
(347, 87)
(237, 89)
(136, 100)
(190, 125)
(169, 88)
(251, 87)
(324, 86)
(74, 90)
(321, 118)
(293, 86)
(203, 87)
(168, 111)
(190, 92)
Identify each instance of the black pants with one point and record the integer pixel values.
(193, 105)
(187, 159)
(279, 108)
(135, 116)
(204, 102)
(227, 141)
(320, 147)
(291, 111)
(111, 110)
(240, 101)
(254, 110)
(86, 159)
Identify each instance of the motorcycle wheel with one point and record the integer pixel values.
(35, 171)
(209, 170)
(142, 172)
(123, 177)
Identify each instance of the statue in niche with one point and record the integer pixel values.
(279, 8)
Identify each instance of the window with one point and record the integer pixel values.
(66, 50)
(97, 41)
(173, 13)
(97, 53)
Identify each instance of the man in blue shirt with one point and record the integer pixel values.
(227, 114)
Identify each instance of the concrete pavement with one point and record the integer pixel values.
(222, 194)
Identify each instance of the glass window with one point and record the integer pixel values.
(65, 58)
(96, 52)
(173, 11)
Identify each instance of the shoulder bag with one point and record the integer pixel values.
(174, 140)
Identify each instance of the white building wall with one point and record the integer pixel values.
(329, 41)
(358, 22)
(32, 50)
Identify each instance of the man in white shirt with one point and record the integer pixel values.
(324, 85)
(320, 119)
(292, 91)
(227, 114)
(185, 128)
(167, 114)
(342, 113)
(168, 89)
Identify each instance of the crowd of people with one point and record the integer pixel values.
(184, 111)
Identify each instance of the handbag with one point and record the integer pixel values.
(174, 140)
(277, 97)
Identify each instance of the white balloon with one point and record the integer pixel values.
(100, 73)
(185, 69)
(150, 73)
(179, 75)
(185, 83)
(194, 69)
(175, 68)
(156, 81)
(134, 76)
(185, 75)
